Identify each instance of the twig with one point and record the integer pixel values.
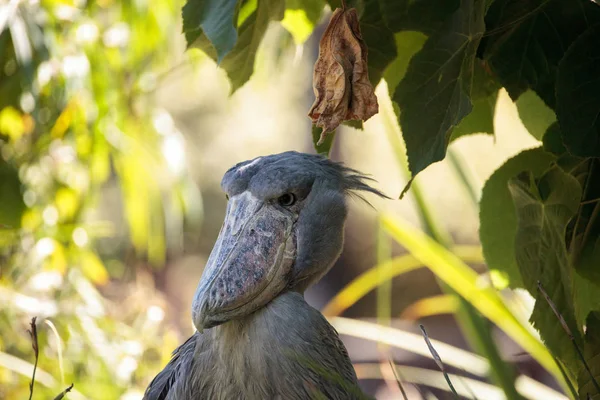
(438, 360)
(398, 379)
(63, 393)
(344, 5)
(36, 352)
(569, 333)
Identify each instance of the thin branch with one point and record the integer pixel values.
(36, 351)
(569, 333)
(393, 366)
(438, 360)
(63, 393)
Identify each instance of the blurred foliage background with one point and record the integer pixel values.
(113, 140)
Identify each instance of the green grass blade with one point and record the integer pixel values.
(461, 278)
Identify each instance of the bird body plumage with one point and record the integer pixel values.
(269, 355)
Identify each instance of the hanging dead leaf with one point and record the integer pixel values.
(341, 78)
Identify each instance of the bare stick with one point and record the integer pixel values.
(36, 352)
(568, 330)
(63, 393)
(438, 360)
(398, 379)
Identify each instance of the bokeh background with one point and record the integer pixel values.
(113, 141)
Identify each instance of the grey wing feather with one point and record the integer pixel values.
(180, 363)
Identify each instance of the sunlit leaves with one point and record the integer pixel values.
(11, 123)
(544, 207)
(92, 267)
(438, 85)
(460, 277)
(301, 16)
(213, 18)
(535, 114)
(497, 214)
(577, 99)
(239, 62)
(408, 43)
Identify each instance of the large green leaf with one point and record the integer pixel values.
(526, 39)
(544, 207)
(552, 139)
(587, 389)
(535, 114)
(497, 215)
(239, 62)
(214, 19)
(427, 16)
(577, 99)
(434, 95)
(408, 43)
(378, 38)
(484, 94)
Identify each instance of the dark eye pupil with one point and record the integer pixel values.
(287, 199)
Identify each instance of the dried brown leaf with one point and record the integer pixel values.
(341, 78)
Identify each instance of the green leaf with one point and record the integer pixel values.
(577, 100)
(434, 95)
(312, 8)
(213, 18)
(408, 43)
(10, 197)
(301, 17)
(544, 208)
(325, 147)
(352, 123)
(11, 123)
(426, 16)
(526, 39)
(378, 38)
(239, 62)
(535, 114)
(93, 268)
(552, 140)
(497, 215)
(484, 94)
(591, 353)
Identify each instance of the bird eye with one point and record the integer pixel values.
(287, 199)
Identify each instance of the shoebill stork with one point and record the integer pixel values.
(257, 338)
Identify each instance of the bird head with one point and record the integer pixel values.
(283, 230)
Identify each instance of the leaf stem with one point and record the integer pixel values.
(34, 344)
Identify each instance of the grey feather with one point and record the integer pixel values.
(286, 350)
